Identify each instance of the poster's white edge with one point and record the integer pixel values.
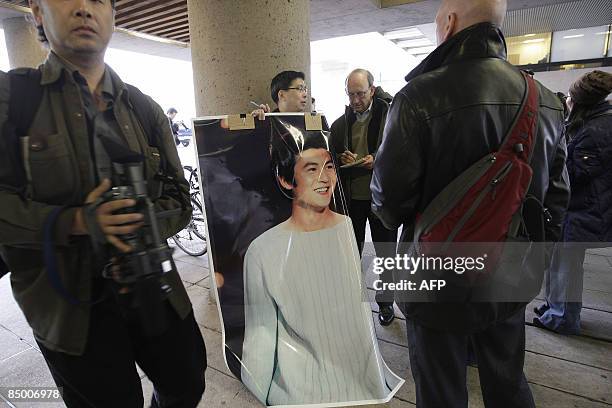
(214, 283)
(215, 117)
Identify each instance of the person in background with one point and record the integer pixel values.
(289, 92)
(171, 114)
(355, 137)
(588, 221)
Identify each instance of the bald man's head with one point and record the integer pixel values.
(456, 15)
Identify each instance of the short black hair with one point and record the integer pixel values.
(171, 111)
(42, 37)
(286, 143)
(282, 81)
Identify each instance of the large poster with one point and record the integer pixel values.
(297, 325)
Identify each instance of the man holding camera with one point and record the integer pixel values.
(85, 321)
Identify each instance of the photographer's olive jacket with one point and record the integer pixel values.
(60, 165)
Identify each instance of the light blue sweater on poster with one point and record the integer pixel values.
(309, 336)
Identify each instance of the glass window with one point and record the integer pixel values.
(529, 49)
(583, 43)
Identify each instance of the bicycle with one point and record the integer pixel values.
(192, 239)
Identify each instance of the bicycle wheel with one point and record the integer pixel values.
(197, 216)
(192, 239)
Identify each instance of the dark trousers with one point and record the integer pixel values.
(105, 375)
(438, 363)
(384, 241)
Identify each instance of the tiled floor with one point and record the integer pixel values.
(563, 371)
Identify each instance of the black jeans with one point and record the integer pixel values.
(438, 363)
(384, 241)
(105, 375)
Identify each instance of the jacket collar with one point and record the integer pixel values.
(55, 66)
(602, 107)
(483, 40)
(582, 113)
(375, 108)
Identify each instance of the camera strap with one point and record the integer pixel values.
(97, 236)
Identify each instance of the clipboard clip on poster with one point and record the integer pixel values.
(241, 121)
(313, 121)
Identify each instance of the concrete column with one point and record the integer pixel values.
(24, 49)
(237, 47)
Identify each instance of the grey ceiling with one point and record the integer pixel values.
(334, 18)
(558, 17)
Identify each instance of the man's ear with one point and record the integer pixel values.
(449, 27)
(36, 11)
(286, 185)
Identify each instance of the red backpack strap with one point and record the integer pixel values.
(521, 136)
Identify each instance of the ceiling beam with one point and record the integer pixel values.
(131, 6)
(161, 8)
(153, 25)
(170, 30)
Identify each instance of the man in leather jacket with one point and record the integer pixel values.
(456, 108)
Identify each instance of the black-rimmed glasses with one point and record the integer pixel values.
(301, 88)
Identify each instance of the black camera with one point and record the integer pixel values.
(138, 274)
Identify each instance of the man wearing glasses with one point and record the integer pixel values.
(289, 92)
(355, 137)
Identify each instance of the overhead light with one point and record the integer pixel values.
(536, 40)
(421, 42)
(421, 50)
(403, 33)
(529, 35)
(573, 36)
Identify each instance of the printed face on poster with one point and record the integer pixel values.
(297, 327)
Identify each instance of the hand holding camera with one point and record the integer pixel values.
(110, 223)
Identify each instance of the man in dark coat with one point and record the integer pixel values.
(355, 137)
(456, 108)
(171, 114)
(588, 222)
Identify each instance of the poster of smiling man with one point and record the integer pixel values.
(298, 329)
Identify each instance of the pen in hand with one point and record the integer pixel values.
(261, 110)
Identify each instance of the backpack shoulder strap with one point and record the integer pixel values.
(523, 130)
(25, 97)
(145, 115)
